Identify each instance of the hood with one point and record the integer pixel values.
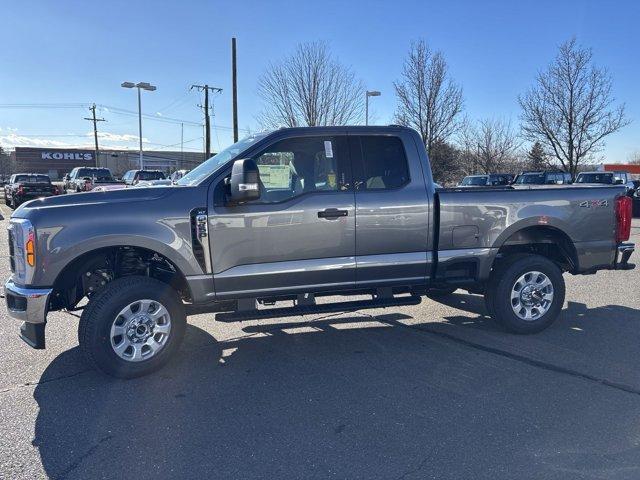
(111, 197)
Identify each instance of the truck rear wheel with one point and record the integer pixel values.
(132, 326)
(525, 293)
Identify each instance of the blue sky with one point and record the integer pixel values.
(70, 52)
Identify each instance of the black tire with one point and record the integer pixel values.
(503, 279)
(103, 308)
(440, 292)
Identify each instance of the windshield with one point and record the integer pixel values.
(606, 178)
(479, 180)
(531, 179)
(206, 168)
(97, 173)
(32, 179)
(150, 175)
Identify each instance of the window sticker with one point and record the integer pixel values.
(328, 149)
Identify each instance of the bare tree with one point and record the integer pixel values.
(570, 108)
(310, 88)
(429, 100)
(491, 146)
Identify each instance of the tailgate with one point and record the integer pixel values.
(37, 188)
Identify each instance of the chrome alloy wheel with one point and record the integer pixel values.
(140, 330)
(531, 296)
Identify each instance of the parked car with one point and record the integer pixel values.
(606, 178)
(486, 180)
(110, 187)
(132, 177)
(166, 182)
(85, 179)
(178, 174)
(27, 186)
(272, 219)
(543, 178)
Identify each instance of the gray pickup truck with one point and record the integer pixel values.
(279, 219)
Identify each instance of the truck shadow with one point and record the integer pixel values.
(365, 397)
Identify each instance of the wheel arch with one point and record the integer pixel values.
(69, 278)
(546, 240)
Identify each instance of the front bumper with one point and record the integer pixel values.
(623, 253)
(29, 305)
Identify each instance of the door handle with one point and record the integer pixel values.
(332, 213)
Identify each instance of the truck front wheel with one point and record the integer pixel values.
(132, 326)
(525, 293)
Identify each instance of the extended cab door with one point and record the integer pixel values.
(392, 211)
(300, 235)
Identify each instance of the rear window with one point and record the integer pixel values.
(33, 179)
(479, 180)
(150, 175)
(606, 178)
(384, 163)
(531, 179)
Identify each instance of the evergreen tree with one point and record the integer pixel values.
(537, 158)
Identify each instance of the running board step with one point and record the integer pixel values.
(256, 314)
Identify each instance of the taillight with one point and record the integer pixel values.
(623, 218)
(30, 249)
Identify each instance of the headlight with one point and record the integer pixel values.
(23, 249)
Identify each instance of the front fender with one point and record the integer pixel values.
(161, 224)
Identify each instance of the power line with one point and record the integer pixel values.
(44, 105)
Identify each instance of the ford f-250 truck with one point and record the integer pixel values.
(278, 219)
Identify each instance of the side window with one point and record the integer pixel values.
(384, 163)
(295, 166)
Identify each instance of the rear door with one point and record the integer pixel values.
(300, 235)
(392, 211)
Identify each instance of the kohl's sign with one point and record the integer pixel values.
(66, 156)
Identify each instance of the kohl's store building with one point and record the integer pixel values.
(56, 162)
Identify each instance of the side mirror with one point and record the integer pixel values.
(67, 177)
(245, 181)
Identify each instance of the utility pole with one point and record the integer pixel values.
(95, 128)
(205, 107)
(234, 81)
(181, 145)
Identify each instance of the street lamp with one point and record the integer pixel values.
(373, 93)
(139, 86)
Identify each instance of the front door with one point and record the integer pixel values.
(300, 235)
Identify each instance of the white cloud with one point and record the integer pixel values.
(14, 140)
(109, 140)
(114, 137)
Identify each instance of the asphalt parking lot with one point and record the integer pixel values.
(428, 391)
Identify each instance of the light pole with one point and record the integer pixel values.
(143, 86)
(373, 93)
